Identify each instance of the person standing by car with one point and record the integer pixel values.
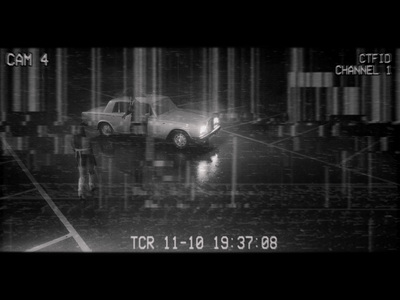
(139, 117)
(86, 162)
(130, 111)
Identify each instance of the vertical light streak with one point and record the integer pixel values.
(386, 95)
(191, 74)
(192, 188)
(17, 96)
(291, 87)
(344, 174)
(3, 91)
(139, 80)
(93, 53)
(318, 104)
(95, 77)
(252, 82)
(300, 82)
(149, 156)
(397, 84)
(376, 99)
(187, 177)
(154, 70)
(326, 169)
(231, 78)
(215, 79)
(160, 70)
(66, 144)
(234, 170)
(348, 183)
(150, 150)
(110, 176)
(126, 191)
(294, 90)
(178, 62)
(204, 77)
(243, 74)
(59, 81)
(33, 82)
(65, 82)
(257, 82)
(98, 77)
(125, 68)
(369, 158)
(335, 101)
(370, 234)
(363, 89)
(100, 178)
(210, 78)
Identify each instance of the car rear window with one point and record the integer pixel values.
(164, 105)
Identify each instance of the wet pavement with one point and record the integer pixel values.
(255, 188)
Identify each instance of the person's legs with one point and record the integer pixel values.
(92, 177)
(82, 183)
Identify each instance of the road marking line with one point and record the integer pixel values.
(310, 157)
(359, 152)
(16, 194)
(4, 162)
(294, 136)
(63, 219)
(49, 243)
(252, 121)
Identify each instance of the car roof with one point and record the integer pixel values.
(149, 98)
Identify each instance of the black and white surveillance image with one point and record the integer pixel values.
(199, 149)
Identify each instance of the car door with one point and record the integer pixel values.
(153, 124)
(120, 125)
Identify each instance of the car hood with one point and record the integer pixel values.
(187, 116)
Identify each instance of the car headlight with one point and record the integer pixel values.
(203, 129)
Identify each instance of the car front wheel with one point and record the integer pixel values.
(180, 139)
(105, 129)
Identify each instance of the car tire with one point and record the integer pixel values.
(105, 129)
(180, 139)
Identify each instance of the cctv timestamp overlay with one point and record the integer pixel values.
(216, 243)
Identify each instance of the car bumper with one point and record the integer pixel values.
(208, 135)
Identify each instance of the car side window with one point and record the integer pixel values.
(120, 107)
(116, 107)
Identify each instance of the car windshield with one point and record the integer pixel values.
(163, 106)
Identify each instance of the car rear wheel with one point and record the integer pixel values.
(180, 139)
(105, 129)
